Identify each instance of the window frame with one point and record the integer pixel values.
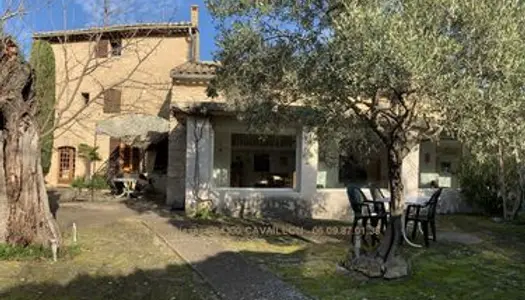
(283, 141)
(71, 161)
(115, 51)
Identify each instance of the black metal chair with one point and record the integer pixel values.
(379, 207)
(424, 214)
(364, 210)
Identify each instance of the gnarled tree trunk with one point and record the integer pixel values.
(394, 234)
(4, 211)
(384, 262)
(29, 219)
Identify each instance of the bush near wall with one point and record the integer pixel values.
(479, 186)
(97, 182)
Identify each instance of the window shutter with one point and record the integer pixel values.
(112, 101)
(116, 100)
(114, 155)
(101, 49)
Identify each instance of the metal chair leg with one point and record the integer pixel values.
(433, 227)
(425, 231)
(414, 230)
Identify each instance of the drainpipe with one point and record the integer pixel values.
(191, 54)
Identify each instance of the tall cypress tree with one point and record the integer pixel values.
(43, 62)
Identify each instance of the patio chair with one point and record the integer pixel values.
(424, 214)
(379, 207)
(117, 188)
(142, 185)
(364, 210)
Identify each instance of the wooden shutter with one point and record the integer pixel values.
(114, 155)
(136, 157)
(112, 100)
(102, 48)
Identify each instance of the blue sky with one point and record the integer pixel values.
(45, 15)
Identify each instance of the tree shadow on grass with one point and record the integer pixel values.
(217, 225)
(227, 272)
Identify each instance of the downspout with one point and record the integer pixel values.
(191, 54)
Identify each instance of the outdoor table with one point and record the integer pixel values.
(129, 184)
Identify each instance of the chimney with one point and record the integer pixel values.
(195, 23)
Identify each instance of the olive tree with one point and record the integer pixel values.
(400, 67)
(488, 116)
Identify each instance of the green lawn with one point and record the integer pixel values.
(121, 260)
(490, 270)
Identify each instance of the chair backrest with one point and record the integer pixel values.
(376, 193)
(432, 203)
(356, 197)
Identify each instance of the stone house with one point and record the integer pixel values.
(106, 72)
(209, 154)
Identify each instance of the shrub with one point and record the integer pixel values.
(97, 182)
(79, 183)
(479, 185)
(43, 62)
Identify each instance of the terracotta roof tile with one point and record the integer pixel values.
(195, 70)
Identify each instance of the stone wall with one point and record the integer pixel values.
(324, 204)
(176, 177)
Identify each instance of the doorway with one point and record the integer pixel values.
(66, 166)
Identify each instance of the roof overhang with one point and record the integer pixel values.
(208, 109)
(191, 77)
(201, 109)
(123, 31)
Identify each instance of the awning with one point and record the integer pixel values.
(138, 130)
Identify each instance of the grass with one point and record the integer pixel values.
(120, 260)
(29, 253)
(490, 270)
(9, 252)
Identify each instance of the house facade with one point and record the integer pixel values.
(106, 72)
(208, 154)
(214, 157)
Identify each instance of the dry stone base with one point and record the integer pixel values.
(370, 266)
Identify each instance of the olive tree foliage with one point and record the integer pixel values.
(489, 118)
(402, 68)
(384, 65)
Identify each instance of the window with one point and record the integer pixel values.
(261, 162)
(112, 99)
(123, 157)
(131, 158)
(351, 171)
(251, 160)
(116, 47)
(66, 165)
(337, 166)
(85, 97)
(161, 156)
(101, 49)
